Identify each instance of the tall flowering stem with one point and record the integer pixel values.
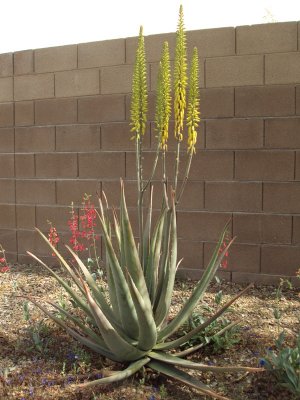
(139, 106)
(180, 83)
(193, 116)
(53, 236)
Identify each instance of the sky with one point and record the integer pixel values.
(31, 24)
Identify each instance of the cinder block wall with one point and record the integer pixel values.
(64, 116)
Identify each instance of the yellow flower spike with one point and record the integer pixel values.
(163, 100)
(180, 78)
(193, 113)
(139, 100)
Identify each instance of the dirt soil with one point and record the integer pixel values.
(40, 361)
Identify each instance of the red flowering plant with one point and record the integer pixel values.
(53, 236)
(3, 263)
(224, 262)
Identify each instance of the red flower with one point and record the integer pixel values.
(224, 262)
(53, 236)
(4, 269)
(2, 260)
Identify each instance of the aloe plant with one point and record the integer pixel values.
(133, 324)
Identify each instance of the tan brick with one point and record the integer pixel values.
(7, 139)
(242, 257)
(56, 111)
(234, 134)
(35, 138)
(210, 165)
(200, 226)
(77, 83)
(60, 165)
(8, 239)
(58, 216)
(23, 62)
(217, 103)
(265, 101)
(298, 100)
(78, 138)
(7, 169)
(233, 196)
(6, 64)
(24, 113)
(101, 109)
(196, 274)
(117, 136)
(148, 161)
(258, 279)
(280, 260)
(297, 171)
(282, 68)
(112, 191)
(192, 254)
(260, 228)
(264, 165)
(7, 192)
(266, 38)
(7, 216)
(6, 114)
(55, 58)
(97, 54)
(69, 191)
(6, 89)
(35, 191)
(25, 216)
(101, 165)
(29, 240)
(282, 133)
(234, 71)
(281, 197)
(29, 87)
(117, 79)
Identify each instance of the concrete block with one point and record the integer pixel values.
(116, 79)
(282, 68)
(24, 165)
(233, 196)
(296, 230)
(266, 101)
(69, 191)
(298, 100)
(266, 38)
(98, 54)
(6, 114)
(117, 136)
(7, 192)
(24, 113)
(234, 71)
(56, 111)
(282, 133)
(8, 216)
(7, 169)
(6, 64)
(35, 191)
(25, 216)
(102, 165)
(281, 197)
(35, 139)
(7, 140)
(234, 133)
(280, 260)
(55, 58)
(217, 103)
(297, 170)
(78, 138)
(264, 165)
(6, 89)
(101, 109)
(59, 217)
(29, 87)
(56, 165)
(23, 62)
(77, 83)
(8, 240)
(192, 254)
(262, 228)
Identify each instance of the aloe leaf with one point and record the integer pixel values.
(147, 332)
(198, 292)
(132, 261)
(147, 234)
(118, 376)
(177, 342)
(125, 304)
(114, 341)
(154, 257)
(117, 228)
(173, 360)
(168, 284)
(84, 340)
(77, 299)
(185, 378)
